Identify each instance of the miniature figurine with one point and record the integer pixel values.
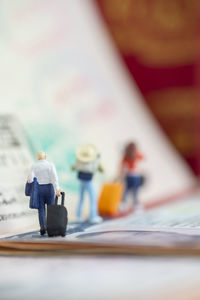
(129, 173)
(47, 179)
(87, 163)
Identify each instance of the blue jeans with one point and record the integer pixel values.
(132, 184)
(87, 185)
(46, 195)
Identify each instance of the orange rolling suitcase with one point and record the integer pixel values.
(110, 198)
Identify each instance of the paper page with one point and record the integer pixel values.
(15, 161)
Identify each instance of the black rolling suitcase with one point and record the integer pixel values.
(57, 218)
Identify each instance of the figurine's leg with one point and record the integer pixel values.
(125, 195)
(135, 195)
(94, 217)
(136, 186)
(126, 189)
(80, 205)
(41, 213)
(93, 200)
(50, 195)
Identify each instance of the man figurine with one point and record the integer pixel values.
(87, 163)
(47, 179)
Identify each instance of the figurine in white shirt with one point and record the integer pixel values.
(47, 178)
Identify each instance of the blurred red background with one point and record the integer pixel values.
(158, 41)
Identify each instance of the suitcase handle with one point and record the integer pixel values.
(62, 199)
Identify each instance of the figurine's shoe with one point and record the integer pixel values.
(96, 220)
(42, 231)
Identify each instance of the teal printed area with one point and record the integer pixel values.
(59, 146)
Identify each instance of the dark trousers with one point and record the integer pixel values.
(46, 195)
(132, 184)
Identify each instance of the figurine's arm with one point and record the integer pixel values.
(77, 166)
(140, 156)
(31, 175)
(54, 179)
(100, 168)
(74, 167)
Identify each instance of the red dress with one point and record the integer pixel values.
(129, 164)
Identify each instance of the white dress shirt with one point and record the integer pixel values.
(45, 172)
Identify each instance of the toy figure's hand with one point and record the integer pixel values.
(100, 169)
(73, 168)
(58, 193)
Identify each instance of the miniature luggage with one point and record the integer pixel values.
(57, 218)
(110, 198)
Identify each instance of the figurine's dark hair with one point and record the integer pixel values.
(130, 151)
